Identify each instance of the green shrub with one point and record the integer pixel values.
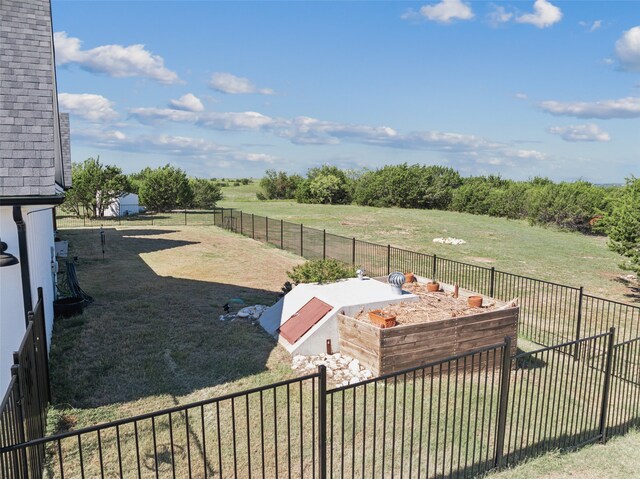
(325, 185)
(320, 271)
(407, 186)
(278, 185)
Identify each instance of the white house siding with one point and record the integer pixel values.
(39, 243)
(12, 325)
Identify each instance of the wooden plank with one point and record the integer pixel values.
(416, 337)
(419, 327)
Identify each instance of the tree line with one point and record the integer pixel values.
(96, 186)
(576, 206)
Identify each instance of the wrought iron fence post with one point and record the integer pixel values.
(15, 372)
(45, 348)
(185, 217)
(607, 386)
(322, 422)
(281, 234)
(576, 349)
(222, 218)
(505, 375)
(253, 226)
(388, 259)
(353, 252)
(433, 267)
(241, 227)
(266, 229)
(301, 240)
(324, 244)
(492, 284)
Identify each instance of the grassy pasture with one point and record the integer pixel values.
(509, 245)
(152, 340)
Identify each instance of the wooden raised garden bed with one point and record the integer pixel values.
(415, 340)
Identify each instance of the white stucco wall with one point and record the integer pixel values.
(41, 246)
(12, 324)
(12, 318)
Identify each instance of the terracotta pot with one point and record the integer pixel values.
(474, 301)
(411, 278)
(382, 319)
(433, 287)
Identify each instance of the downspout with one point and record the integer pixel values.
(24, 262)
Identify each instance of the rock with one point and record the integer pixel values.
(354, 366)
(354, 380)
(330, 373)
(367, 374)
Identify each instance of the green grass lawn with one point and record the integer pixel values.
(152, 339)
(509, 245)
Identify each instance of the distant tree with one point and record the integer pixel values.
(405, 186)
(136, 179)
(623, 225)
(95, 187)
(206, 193)
(278, 185)
(165, 188)
(326, 185)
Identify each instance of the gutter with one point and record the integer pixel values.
(31, 200)
(24, 262)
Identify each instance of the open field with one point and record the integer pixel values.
(509, 245)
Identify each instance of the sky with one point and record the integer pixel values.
(230, 89)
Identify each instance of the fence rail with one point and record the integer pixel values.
(459, 417)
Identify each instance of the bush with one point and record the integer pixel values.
(623, 225)
(166, 188)
(278, 185)
(206, 193)
(325, 185)
(320, 271)
(407, 186)
(571, 206)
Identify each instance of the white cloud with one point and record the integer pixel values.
(305, 130)
(247, 120)
(588, 132)
(544, 15)
(188, 102)
(233, 85)
(176, 146)
(498, 15)
(628, 49)
(94, 108)
(520, 96)
(113, 60)
(628, 107)
(446, 11)
(591, 26)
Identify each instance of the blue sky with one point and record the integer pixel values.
(229, 89)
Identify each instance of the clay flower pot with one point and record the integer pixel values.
(433, 287)
(410, 277)
(474, 301)
(382, 319)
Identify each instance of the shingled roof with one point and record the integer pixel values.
(32, 143)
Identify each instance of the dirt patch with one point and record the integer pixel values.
(480, 259)
(430, 307)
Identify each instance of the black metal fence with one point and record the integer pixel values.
(23, 410)
(459, 417)
(550, 313)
